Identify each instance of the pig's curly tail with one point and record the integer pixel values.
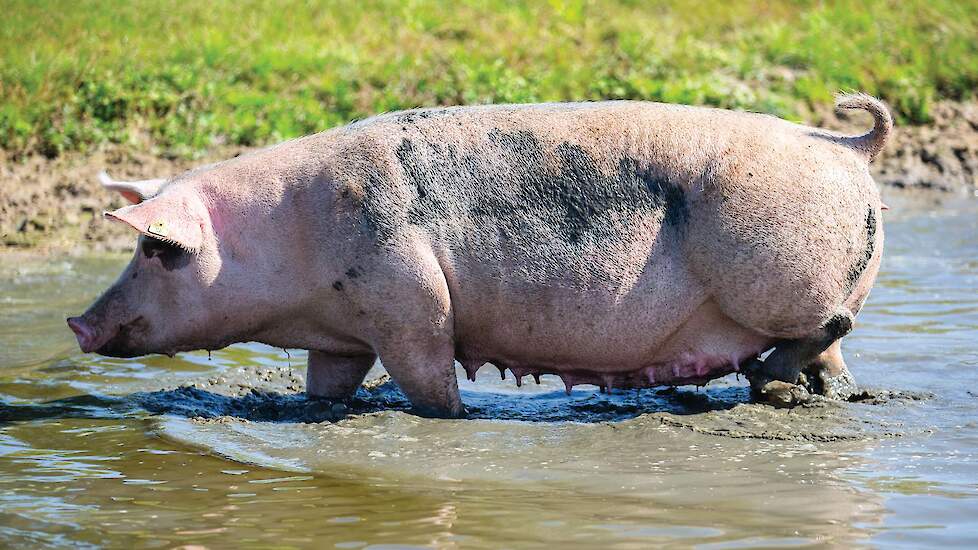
(871, 142)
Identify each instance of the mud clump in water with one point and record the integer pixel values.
(818, 420)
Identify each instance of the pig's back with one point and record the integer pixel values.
(561, 229)
(561, 194)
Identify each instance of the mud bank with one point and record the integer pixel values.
(56, 204)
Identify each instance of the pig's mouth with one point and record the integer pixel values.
(113, 341)
(119, 342)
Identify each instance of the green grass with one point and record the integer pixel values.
(189, 75)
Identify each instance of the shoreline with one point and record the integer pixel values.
(55, 205)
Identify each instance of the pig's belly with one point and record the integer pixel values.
(629, 313)
(641, 340)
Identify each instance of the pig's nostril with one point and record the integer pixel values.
(83, 333)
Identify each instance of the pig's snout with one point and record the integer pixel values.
(83, 332)
(113, 340)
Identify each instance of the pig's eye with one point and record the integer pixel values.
(171, 255)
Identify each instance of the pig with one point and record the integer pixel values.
(622, 244)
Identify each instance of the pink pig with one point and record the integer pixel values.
(621, 244)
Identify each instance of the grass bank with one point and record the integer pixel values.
(179, 77)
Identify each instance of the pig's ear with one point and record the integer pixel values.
(176, 217)
(134, 191)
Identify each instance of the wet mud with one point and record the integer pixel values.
(263, 394)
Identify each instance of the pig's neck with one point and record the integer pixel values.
(301, 332)
(287, 309)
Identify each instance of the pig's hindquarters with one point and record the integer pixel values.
(787, 239)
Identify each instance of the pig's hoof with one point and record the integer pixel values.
(841, 386)
(782, 394)
(756, 375)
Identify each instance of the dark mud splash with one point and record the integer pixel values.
(262, 394)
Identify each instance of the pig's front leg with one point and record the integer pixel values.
(335, 376)
(425, 372)
(415, 328)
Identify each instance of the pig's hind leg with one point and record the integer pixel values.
(775, 380)
(331, 376)
(829, 376)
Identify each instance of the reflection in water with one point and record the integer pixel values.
(160, 452)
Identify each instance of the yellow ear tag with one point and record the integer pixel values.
(157, 228)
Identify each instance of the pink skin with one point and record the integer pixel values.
(313, 244)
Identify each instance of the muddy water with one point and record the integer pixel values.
(224, 450)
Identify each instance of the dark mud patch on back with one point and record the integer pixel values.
(415, 115)
(530, 190)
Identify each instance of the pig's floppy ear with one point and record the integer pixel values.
(134, 191)
(175, 217)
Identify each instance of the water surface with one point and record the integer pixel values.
(225, 451)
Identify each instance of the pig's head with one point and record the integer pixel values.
(166, 300)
